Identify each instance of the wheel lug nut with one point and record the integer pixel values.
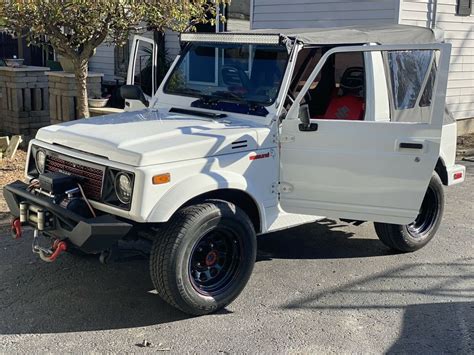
(211, 245)
(198, 264)
(200, 249)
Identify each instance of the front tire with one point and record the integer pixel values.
(203, 257)
(414, 236)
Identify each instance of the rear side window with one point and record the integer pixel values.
(427, 96)
(408, 70)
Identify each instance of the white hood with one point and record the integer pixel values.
(149, 137)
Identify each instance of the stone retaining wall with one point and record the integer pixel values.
(24, 105)
(63, 94)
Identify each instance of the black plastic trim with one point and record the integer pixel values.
(197, 113)
(411, 145)
(312, 127)
(91, 235)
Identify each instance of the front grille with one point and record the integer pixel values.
(93, 175)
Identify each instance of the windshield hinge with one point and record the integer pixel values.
(287, 139)
(285, 187)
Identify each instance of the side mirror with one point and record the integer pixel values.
(304, 115)
(305, 118)
(133, 92)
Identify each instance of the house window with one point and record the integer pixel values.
(464, 7)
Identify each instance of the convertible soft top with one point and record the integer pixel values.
(393, 34)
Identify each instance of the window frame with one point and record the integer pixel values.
(442, 75)
(464, 7)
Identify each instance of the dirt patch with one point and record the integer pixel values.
(465, 143)
(10, 170)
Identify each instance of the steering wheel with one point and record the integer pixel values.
(235, 75)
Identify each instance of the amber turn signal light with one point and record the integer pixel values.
(161, 179)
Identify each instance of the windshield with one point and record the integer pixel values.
(239, 73)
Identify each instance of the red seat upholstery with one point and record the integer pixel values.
(347, 107)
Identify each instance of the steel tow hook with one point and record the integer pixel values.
(48, 255)
(16, 231)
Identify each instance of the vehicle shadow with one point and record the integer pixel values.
(326, 239)
(441, 328)
(79, 294)
(436, 298)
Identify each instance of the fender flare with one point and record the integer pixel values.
(441, 169)
(196, 185)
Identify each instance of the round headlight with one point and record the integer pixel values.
(40, 160)
(123, 187)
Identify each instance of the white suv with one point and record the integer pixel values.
(250, 133)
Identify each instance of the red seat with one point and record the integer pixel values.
(347, 107)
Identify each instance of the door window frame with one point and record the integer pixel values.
(438, 103)
(133, 59)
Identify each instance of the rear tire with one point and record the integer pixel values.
(414, 236)
(203, 257)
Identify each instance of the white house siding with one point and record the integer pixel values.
(322, 13)
(172, 44)
(103, 61)
(459, 31)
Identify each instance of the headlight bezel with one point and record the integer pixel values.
(109, 194)
(37, 162)
(123, 196)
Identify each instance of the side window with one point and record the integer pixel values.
(142, 75)
(338, 93)
(425, 100)
(408, 70)
(412, 75)
(371, 85)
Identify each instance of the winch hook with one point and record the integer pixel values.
(51, 255)
(48, 255)
(16, 231)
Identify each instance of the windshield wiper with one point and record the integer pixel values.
(227, 96)
(197, 113)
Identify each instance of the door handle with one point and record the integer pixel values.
(406, 145)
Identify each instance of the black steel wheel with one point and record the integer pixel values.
(203, 257)
(214, 261)
(428, 216)
(416, 235)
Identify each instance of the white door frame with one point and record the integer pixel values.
(335, 179)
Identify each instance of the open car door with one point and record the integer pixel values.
(369, 170)
(142, 68)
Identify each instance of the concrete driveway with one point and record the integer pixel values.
(326, 288)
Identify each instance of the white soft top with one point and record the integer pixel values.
(393, 34)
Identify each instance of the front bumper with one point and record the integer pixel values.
(91, 235)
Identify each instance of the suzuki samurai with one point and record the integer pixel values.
(249, 133)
